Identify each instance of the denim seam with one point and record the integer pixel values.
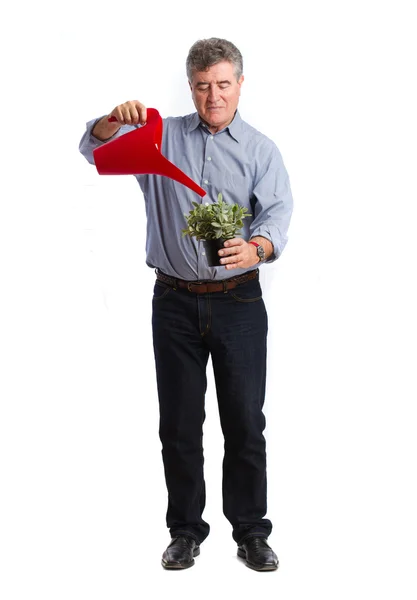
(209, 314)
(208, 323)
(198, 299)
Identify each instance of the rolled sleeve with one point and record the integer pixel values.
(89, 142)
(273, 204)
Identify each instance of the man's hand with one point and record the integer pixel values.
(132, 112)
(238, 254)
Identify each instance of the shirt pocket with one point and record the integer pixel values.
(235, 187)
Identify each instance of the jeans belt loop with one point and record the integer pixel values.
(224, 287)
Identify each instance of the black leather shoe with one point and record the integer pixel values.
(180, 553)
(258, 554)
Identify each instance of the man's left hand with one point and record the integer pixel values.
(238, 254)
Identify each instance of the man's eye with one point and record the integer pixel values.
(224, 86)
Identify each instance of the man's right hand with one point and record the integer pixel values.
(132, 112)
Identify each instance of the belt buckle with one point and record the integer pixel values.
(193, 283)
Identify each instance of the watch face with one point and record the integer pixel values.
(261, 253)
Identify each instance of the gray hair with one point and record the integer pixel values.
(206, 53)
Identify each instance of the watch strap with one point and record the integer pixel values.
(259, 250)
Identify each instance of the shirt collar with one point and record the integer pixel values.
(234, 128)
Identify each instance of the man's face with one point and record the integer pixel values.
(216, 94)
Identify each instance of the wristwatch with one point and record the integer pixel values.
(260, 251)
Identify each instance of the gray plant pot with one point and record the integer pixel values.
(211, 248)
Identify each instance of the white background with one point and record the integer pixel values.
(83, 496)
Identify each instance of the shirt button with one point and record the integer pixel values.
(205, 181)
(211, 137)
(203, 253)
(208, 157)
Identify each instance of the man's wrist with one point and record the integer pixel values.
(265, 243)
(259, 251)
(103, 130)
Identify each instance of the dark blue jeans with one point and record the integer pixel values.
(232, 327)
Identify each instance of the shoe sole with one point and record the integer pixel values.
(180, 566)
(242, 554)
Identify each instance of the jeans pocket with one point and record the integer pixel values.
(247, 292)
(160, 290)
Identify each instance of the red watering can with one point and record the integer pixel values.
(138, 152)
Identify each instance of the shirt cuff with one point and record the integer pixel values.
(271, 233)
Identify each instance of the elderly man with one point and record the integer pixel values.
(225, 317)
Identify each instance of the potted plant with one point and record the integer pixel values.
(213, 224)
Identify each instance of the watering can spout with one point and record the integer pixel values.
(138, 152)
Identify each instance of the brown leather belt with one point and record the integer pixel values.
(206, 287)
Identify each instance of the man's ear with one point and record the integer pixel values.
(241, 80)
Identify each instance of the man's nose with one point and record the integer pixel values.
(213, 93)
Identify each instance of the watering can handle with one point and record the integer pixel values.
(112, 120)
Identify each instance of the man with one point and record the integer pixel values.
(200, 310)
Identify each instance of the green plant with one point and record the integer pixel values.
(215, 221)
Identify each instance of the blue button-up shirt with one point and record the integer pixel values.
(239, 161)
